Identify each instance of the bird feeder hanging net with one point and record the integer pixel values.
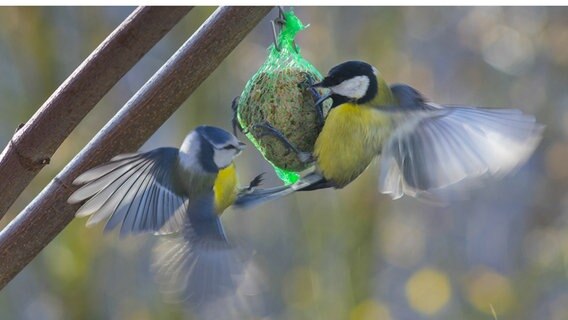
(278, 96)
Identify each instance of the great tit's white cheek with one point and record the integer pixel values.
(355, 87)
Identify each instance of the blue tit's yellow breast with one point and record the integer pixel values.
(225, 188)
(350, 138)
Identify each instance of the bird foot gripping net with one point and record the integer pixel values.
(277, 110)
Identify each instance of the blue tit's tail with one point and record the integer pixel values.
(198, 265)
(250, 198)
(435, 147)
(196, 269)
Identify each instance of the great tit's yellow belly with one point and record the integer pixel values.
(225, 188)
(350, 138)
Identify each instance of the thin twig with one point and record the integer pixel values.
(35, 141)
(151, 106)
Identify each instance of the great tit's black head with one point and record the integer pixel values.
(354, 81)
(212, 147)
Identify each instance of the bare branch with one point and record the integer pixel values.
(49, 213)
(35, 142)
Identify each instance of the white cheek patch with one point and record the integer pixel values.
(191, 148)
(224, 158)
(355, 87)
(188, 153)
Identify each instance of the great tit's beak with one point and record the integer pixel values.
(317, 85)
(323, 98)
(323, 84)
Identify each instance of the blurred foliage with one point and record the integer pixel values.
(349, 254)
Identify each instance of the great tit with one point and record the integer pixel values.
(424, 147)
(179, 192)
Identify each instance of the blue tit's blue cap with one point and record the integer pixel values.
(214, 135)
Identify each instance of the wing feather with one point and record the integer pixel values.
(110, 200)
(140, 192)
(434, 147)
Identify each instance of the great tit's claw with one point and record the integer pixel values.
(307, 84)
(319, 106)
(267, 129)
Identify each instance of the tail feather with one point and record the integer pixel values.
(210, 276)
(198, 265)
(196, 269)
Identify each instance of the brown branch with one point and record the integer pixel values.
(35, 142)
(49, 213)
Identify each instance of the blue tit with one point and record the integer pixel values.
(423, 147)
(179, 192)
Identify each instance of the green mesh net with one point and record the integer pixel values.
(278, 95)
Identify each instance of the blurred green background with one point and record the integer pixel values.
(350, 254)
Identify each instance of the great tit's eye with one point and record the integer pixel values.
(338, 80)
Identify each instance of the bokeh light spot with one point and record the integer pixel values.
(428, 291)
(507, 50)
(370, 310)
(402, 242)
(487, 290)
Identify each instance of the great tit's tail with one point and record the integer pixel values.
(257, 196)
(440, 146)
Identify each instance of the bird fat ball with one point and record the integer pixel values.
(282, 99)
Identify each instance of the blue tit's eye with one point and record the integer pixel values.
(229, 147)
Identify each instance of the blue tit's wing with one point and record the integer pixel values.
(433, 147)
(198, 265)
(140, 191)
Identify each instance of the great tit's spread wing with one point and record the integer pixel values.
(139, 191)
(434, 146)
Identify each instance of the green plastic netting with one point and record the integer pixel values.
(277, 95)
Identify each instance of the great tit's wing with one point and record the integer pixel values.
(139, 191)
(199, 265)
(433, 147)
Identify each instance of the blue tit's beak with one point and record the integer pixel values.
(240, 147)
